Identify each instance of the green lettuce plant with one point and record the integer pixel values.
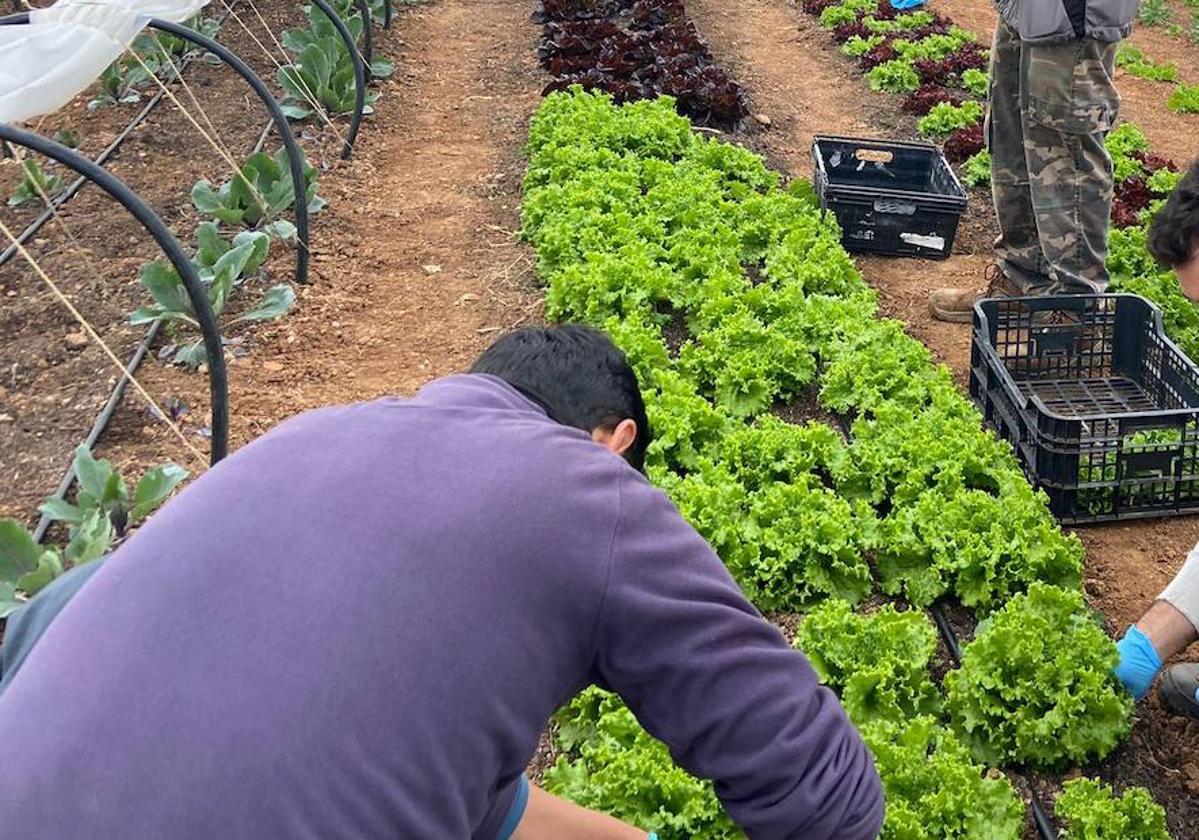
(1091, 811)
(1036, 685)
(876, 662)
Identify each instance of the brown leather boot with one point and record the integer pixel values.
(957, 305)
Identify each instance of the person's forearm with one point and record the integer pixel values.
(547, 817)
(1168, 629)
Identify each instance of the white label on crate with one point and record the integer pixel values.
(937, 242)
(874, 155)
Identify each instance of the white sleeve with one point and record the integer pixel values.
(1183, 592)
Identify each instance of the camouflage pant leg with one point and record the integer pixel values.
(1051, 107)
(1070, 103)
(1018, 248)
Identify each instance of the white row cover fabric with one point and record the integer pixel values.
(64, 48)
(175, 11)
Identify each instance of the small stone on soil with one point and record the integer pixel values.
(432, 269)
(274, 367)
(76, 340)
(762, 120)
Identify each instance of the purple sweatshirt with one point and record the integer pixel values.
(357, 626)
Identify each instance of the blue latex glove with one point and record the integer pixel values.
(1139, 662)
(906, 4)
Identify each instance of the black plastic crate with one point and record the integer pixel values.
(1102, 408)
(889, 196)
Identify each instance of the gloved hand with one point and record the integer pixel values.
(906, 4)
(1139, 662)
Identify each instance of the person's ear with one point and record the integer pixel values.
(618, 439)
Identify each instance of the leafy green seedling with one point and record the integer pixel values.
(976, 172)
(1154, 12)
(223, 267)
(102, 512)
(322, 72)
(1136, 63)
(946, 118)
(1184, 99)
(261, 190)
(35, 183)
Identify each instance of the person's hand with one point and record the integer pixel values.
(1139, 662)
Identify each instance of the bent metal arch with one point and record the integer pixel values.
(218, 385)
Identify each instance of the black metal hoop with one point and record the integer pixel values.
(368, 43)
(218, 384)
(359, 71)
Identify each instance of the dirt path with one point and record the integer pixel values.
(416, 266)
(421, 247)
(799, 79)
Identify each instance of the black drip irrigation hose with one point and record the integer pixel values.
(66, 195)
(1045, 828)
(114, 399)
(295, 157)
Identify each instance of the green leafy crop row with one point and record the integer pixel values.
(103, 509)
(731, 296)
(1136, 63)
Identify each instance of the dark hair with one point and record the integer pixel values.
(1174, 231)
(576, 374)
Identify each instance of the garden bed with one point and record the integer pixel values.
(364, 337)
(55, 381)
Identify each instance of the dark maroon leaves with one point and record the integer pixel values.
(842, 32)
(652, 49)
(964, 144)
(886, 11)
(1153, 163)
(881, 54)
(923, 100)
(564, 10)
(815, 7)
(948, 70)
(970, 56)
(1123, 216)
(1134, 192)
(1132, 195)
(648, 14)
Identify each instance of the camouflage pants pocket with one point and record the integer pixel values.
(1070, 88)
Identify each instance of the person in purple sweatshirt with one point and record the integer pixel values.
(357, 626)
